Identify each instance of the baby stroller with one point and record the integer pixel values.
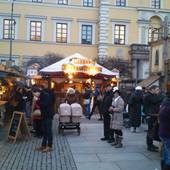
(69, 117)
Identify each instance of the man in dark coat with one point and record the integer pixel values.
(135, 103)
(107, 102)
(164, 131)
(46, 107)
(152, 101)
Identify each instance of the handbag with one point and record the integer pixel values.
(36, 112)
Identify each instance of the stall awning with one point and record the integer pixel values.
(149, 81)
(77, 63)
(3, 74)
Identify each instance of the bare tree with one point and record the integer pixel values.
(124, 66)
(44, 61)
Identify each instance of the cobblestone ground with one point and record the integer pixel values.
(21, 155)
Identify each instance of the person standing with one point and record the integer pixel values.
(46, 107)
(87, 99)
(28, 102)
(97, 103)
(20, 106)
(135, 104)
(71, 96)
(152, 101)
(117, 109)
(107, 102)
(164, 131)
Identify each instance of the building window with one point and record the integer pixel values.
(157, 57)
(88, 3)
(156, 4)
(63, 2)
(119, 34)
(154, 34)
(39, 1)
(120, 2)
(35, 30)
(8, 29)
(61, 32)
(86, 34)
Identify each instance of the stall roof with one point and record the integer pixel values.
(149, 81)
(4, 74)
(58, 66)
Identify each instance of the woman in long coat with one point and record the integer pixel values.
(135, 103)
(117, 109)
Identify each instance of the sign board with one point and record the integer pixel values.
(17, 124)
(81, 61)
(92, 70)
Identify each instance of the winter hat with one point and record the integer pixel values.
(115, 89)
(138, 88)
(71, 91)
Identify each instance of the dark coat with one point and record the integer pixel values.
(135, 103)
(20, 102)
(107, 102)
(46, 103)
(164, 128)
(88, 93)
(152, 103)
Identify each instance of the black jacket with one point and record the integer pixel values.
(46, 104)
(135, 102)
(152, 103)
(107, 102)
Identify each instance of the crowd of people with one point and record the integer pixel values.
(37, 103)
(149, 104)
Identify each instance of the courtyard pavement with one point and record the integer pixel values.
(84, 152)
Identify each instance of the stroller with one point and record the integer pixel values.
(69, 117)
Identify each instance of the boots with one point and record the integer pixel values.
(116, 141)
(119, 144)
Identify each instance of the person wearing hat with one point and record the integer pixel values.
(117, 109)
(135, 104)
(71, 96)
(152, 101)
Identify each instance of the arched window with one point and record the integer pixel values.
(155, 30)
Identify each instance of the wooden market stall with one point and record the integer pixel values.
(7, 79)
(75, 71)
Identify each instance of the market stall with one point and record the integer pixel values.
(77, 68)
(76, 71)
(8, 77)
